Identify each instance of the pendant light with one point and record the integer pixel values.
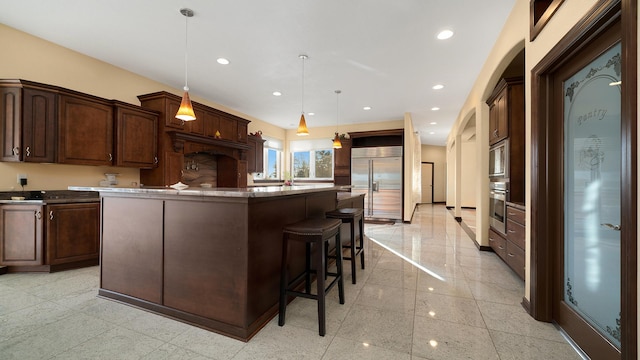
(302, 126)
(336, 140)
(185, 112)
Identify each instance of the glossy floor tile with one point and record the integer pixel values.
(426, 293)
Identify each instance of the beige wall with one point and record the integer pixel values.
(438, 156)
(412, 155)
(468, 176)
(512, 39)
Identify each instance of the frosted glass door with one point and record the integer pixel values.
(592, 158)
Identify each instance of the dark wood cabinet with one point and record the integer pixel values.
(255, 154)
(136, 136)
(214, 132)
(39, 115)
(72, 232)
(506, 109)
(49, 237)
(85, 130)
(21, 237)
(342, 163)
(28, 121)
(511, 246)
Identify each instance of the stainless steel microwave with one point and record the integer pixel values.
(499, 160)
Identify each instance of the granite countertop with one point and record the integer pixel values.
(48, 197)
(517, 205)
(249, 192)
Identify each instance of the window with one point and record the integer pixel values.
(313, 164)
(272, 160)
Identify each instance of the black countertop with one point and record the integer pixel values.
(48, 196)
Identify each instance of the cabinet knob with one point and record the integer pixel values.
(51, 215)
(16, 151)
(510, 231)
(28, 150)
(155, 159)
(510, 255)
(110, 157)
(38, 215)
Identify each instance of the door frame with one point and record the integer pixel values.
(433, 168)
(591, 25)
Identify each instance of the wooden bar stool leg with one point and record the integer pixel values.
(339, 268)
(307, 264)
(320, 266)
(283, 283)
(362, 241)
(353, 250)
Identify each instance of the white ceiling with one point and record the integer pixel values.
(380, 53)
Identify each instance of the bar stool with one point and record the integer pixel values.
(316, 232)
(350, 215)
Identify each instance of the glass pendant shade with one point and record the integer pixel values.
(302, 127)
(185, 112)
(336, 142)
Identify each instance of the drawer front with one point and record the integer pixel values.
(515, 233)
(516, 215)
(498, 244)
(515, 258)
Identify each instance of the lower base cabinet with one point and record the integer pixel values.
(510, 246)
(49, 237)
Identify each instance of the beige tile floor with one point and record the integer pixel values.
(426, 293)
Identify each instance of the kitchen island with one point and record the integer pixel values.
(208, 257)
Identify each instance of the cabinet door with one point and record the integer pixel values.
(137, 143)
(503, 115)
(85, 131)
(39, 112)
(73, 232)
(10, 130)
(242, 132)
(228, 128)
(21, 235)
(170, 115)
(251, 154)
(196, 126)
(211, 124)
(242, 173)
(173, 168)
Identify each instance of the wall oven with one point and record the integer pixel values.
(498, 206)
(499, 160)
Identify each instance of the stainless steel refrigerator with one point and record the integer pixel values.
(377, 173)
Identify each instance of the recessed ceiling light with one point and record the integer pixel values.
(433, 123)
(437, 87)
(431, 132)
(311, 114)
(366, 108)
(277, 93)
(435, 108)
(223, 61)
(445, 34)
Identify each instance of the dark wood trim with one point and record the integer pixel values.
(393, 132)
(629, 171)
(538, 21)
(3, 270)
(598, 19)
(526, 305)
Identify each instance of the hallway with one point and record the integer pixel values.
(426, 293)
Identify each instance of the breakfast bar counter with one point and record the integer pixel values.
(208, 257)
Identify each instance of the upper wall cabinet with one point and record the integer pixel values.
(85, 130)
(45, 123)
(506, 109)
(136, 136)
(28, 122)
(255, 159)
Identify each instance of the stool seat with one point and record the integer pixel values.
(314, 232)
(345, 213)
(314, 226)
(351, 215)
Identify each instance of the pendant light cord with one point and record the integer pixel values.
(186, 53)
(337, 107)
(303, 57)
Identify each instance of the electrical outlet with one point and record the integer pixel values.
(22, 179)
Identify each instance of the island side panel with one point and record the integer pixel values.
(205, 258)
(131, 247)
